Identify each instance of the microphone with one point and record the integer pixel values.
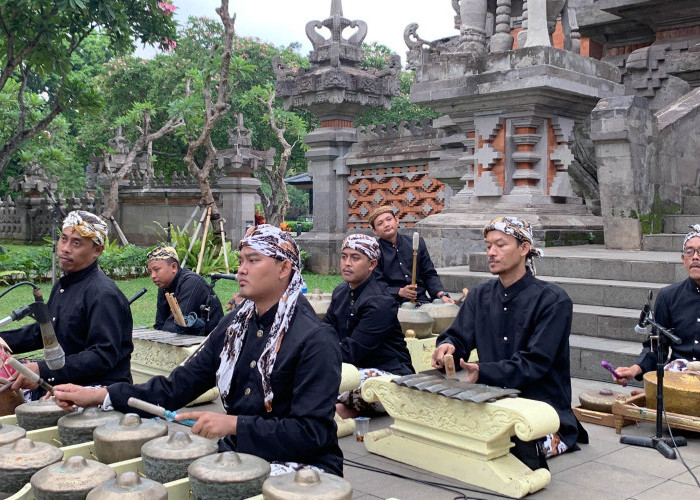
(641, 326)
(53, 352)
(217, 276)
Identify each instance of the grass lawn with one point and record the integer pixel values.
(143, 310)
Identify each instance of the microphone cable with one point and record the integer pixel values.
(21, 283)
(675, 447)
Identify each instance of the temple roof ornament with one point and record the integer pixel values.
(34, 181)
(335, 88)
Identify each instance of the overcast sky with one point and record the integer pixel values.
(283, 21)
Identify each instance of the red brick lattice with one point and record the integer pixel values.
(410, 189)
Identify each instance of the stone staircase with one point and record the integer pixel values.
(608, 288)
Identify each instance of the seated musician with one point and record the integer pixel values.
(676, 308)
(364, 317)
(90, 315)
(520, 328)
(276, 365)
(190, 290)
(395, 264)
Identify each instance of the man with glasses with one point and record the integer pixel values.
(677, 307)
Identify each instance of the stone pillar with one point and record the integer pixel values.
(473, 28)
(237, 200)
(327, 150)
(336, 90)
(621, 129)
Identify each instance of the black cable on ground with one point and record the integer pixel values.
(678, 452)
(434, 484)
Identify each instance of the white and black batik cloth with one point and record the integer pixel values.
(353, 399)
(278, 244)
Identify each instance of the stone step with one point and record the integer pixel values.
(678, 224)
(589, 263)
(665, 242)
(588, 352)
(691, 205)
(612, 323)
(608, 293)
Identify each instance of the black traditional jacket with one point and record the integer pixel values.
(521, 334)
(305, 381)
(677, 307)
(191, 292)
(395, 269)
(92, 321)
(369, 331)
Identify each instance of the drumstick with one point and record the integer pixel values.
(609, 367)
(465, 291)
(175, 308)
(416, 240)
(30, 375)
(168, 415)
(449, 361)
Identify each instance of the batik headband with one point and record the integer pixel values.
(521, 230)
(162, 253)
(88, 225)
(695, 232)
(272, 242)
(362, 243)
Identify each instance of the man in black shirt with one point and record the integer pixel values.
(190, 290)
(276, 365)
(520, 328)
(677, 307)
(364, 317)
(90, 315)
(395, 264)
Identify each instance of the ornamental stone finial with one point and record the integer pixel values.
(336, 47)
(335, 88)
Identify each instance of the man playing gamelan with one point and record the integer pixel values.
(677, 307)
(90, 315)
(364, 316)
(395, 264)
(520, 328)
(276, 365)
(190, 290)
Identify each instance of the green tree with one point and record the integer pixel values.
(39, 38)
(377, 57)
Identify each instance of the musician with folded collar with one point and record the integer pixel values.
(676, 308)
(275, 363)
(520, 327)
(364, 316)
(188, 287)
(90, 315)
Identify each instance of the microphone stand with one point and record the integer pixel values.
(663, 445)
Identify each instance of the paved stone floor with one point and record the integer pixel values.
(603, 469)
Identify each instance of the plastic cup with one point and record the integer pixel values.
(361, 428)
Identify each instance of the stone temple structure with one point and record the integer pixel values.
(573, 114)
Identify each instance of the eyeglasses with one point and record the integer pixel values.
(689, 252)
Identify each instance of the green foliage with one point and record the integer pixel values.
(46, 44)
(119, 262)
(376, 55)
(34, 262)
(294, 225)
(213, 258)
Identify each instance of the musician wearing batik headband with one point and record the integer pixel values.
(190, 290)
(394, 269)
(677, 307)
(90, 315)
(364, 316)
(520, 327)
(276, 365)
